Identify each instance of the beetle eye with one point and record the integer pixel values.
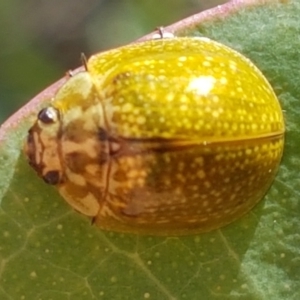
(48, 115)
(52, 177)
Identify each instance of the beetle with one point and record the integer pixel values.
(166, 137)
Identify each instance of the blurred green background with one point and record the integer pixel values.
(41, 40)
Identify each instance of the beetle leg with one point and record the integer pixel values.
(162, 34)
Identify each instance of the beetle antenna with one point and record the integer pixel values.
(84, 61)
(161, 33)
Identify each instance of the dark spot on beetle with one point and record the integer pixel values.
(77, 161)
(30, 139)
(104, 158)
(74, 131)
(102, 134)
(30, 149)
(121, 77)
(52, 177)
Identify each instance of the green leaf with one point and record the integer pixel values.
(48, 251)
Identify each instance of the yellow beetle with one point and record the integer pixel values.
(165, 137)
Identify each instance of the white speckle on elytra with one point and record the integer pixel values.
(147, 295)
(202, 85)
(223, 80)
(33, 274)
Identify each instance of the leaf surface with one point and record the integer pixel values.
(48, 251)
